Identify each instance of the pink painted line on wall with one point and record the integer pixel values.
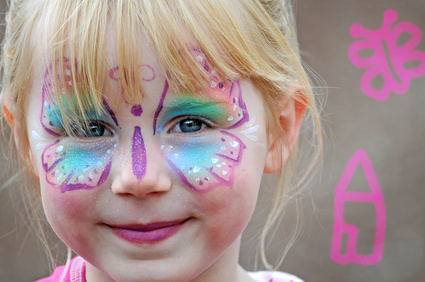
(388, 60)
(375, 196)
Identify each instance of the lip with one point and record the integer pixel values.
(150, 233)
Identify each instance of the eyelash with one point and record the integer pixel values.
(81, 131)
(208, 124)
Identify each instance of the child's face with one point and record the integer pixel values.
(161, 189)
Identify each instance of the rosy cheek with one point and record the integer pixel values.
(202, 165)
(72, 166)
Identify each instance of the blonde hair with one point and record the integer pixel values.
(242, 39)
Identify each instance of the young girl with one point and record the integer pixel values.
(146, 127)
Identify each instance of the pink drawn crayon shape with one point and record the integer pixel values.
(340, 227)
(386, 55)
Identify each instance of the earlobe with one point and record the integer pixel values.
(283, 140)
(8, 116)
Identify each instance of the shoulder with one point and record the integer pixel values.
(273, 276)
(76, 272)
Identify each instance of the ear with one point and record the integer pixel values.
(292, 108)
(8, 115)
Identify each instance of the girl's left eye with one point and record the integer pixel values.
(190, 125)
(92, 130)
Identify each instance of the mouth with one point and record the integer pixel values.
(150, 233)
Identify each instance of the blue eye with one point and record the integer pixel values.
(92, 130)
(189, 125)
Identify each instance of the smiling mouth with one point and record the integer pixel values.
(148, 234)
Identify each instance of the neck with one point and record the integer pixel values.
(226, 268)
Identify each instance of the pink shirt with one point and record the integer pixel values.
(77, 273)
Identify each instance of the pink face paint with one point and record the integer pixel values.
(388, 60)
(340, 228)
(138, 154)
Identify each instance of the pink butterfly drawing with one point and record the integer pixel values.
(395, 64)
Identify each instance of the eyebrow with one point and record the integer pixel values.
(208, 107)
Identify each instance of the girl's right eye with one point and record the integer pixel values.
(93, 129)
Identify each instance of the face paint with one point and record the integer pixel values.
(147, 72)
(138, 151)
(205, 163)
(250, 129)
(76, 166)
(72, 163)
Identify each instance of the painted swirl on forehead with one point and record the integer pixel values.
(147, 73)
(206, 163)
(69, 165)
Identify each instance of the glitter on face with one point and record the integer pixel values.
(138, 154)
(205, 163)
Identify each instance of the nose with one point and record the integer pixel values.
(140, 171)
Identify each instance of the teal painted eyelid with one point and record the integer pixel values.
(189, 106)
(56, 118)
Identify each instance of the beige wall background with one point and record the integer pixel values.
(382, 202)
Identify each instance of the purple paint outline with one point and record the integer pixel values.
(44, 164)
(242, 105)
(65, 187)
(110, 111)
(160, 105)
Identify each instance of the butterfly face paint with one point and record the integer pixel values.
(138, 150)
(70, 163)
(203, 163)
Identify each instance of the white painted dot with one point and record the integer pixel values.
(234, 144)
(59, 149)
(224, 172)
(234, 107)
(196, 169)
(80, 178)
(213, 84)
(162, 147)
(223, 148)
(176, 156)
(218, 165)
(68, 72)
(230, 118)
(214, 160)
